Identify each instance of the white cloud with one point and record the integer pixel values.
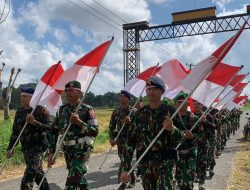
(60, 34)
(222, 4)
(34, 58)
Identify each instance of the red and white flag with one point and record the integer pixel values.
(210, 88)
(172, 73)
(203, 68)
(225, 98)
(44, 94)
(85, 68)
(236, 101)
(136, 85)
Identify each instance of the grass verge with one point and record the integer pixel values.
(241, 172)
(15, 166)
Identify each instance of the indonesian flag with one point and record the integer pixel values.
(44, 94)
(85, 68)
(236, 101)
(172, 73)
(210, 88)
(136, 85)
(203, 68)
(233, 89)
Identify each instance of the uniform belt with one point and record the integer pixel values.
(169, 154)
(184, 151)
(87, 140)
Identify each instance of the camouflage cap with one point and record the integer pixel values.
(73, 84)
(180, 96)
(127, 94)
(155, 82)
(27, 90)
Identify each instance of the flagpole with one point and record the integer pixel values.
(208, 110)
(128, 116)
(184, 102)
(21, 132)
(69, 125)
(163, 129)
(229, 92)
(225, 105)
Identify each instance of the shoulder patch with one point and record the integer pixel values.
(92, 113)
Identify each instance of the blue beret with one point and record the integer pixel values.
(127, 94)
(27, 90)
(155, 82)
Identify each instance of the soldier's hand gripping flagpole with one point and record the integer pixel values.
(206, 72)
(210, 106)
(68, 127)
(37, 102)
(123, 125)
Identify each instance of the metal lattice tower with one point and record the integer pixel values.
(134, 33)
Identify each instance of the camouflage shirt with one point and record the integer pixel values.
(34, 137)
(61, 122)
(116, 123)
(146, 124)
(189, 120)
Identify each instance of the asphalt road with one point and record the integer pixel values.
(106, 179)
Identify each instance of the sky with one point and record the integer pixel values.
(38, 33)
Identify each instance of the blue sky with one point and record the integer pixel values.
(38, 33)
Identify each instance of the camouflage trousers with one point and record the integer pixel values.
(77, 170)
(157, 176)
(202, 156)
(185, 172)
(218, 138)
(120, 145)
(33, 171)
(211, 151)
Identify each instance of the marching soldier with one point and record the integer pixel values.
(78, 141)
(33, 140)
(157, 165)
(186, 165)
(118, 118)
(203, 144)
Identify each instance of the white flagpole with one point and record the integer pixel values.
(21, 132)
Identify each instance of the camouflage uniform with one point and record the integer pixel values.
(202, 153)
(77, 144)
(223, 131)
(186, 165)
(157, 165)
(34, 144)
(211, 129)
(115, 126)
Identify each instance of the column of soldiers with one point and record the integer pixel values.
(164, 166)
(41, 135)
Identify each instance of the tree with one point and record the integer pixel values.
(5, 99)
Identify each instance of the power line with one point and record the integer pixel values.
(1, 21)
(163, 51)
(110, 11)
(100, 13)
(79, 6)
(169, 51)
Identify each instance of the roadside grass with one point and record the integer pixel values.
(15, 165)
(241, 171)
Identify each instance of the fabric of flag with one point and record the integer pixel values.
(136, 85)
(203, 68)
(85, 68)
(215, 84)
(44, 94)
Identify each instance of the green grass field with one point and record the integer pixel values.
(101, 142)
